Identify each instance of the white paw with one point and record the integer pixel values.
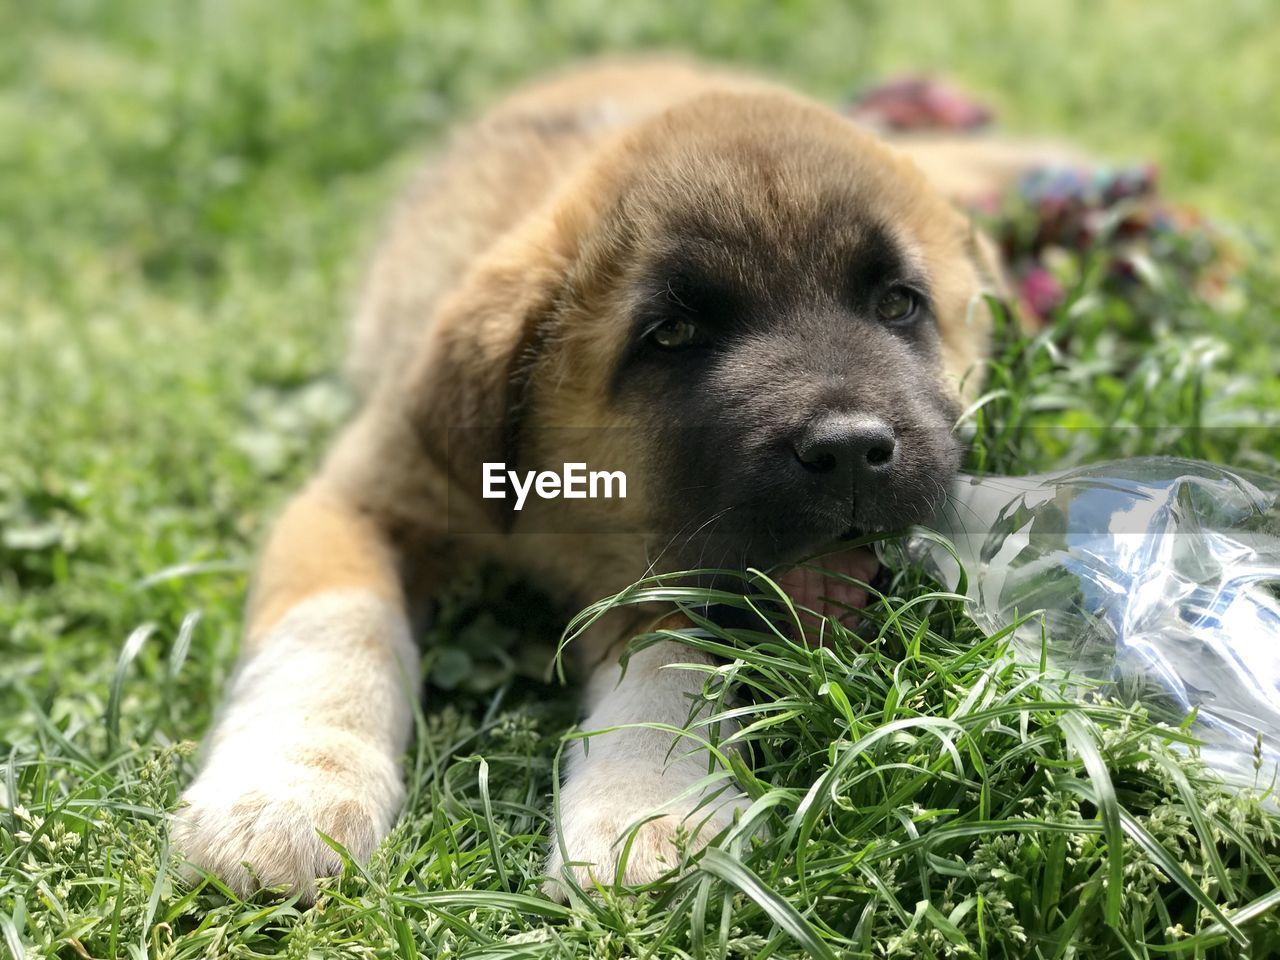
(254, 815)
(598, 827)
(309, 743)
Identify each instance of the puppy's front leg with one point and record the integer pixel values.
(618, 778)
(319, 712)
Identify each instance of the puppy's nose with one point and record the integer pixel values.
(847, 450)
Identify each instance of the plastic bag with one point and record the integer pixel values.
(1159, 579)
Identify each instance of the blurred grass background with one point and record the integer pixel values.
(187, 191)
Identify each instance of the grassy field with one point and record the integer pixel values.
(186, 191)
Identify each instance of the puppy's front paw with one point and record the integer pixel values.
(254, 815)
(599, 813)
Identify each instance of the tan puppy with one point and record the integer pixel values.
(753, 309)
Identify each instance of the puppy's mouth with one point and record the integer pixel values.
(833, 585)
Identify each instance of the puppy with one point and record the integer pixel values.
(762, 316)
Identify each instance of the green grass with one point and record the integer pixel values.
(186, 191)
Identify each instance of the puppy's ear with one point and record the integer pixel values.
(988, 264)
(469, 386)
(965, 281)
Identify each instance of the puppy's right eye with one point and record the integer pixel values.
(675, 334)
(898, 305)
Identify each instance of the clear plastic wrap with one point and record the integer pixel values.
(1159, 579)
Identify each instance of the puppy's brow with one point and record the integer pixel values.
(674, 296)
(879, 257)
(689, 282)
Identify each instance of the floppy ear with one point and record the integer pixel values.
(467, 389)
(963, 282)
(987, 262)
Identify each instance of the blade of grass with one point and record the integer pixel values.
(132, 646)
(735, 873)
(1081, 739)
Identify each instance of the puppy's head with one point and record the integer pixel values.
(766, 313)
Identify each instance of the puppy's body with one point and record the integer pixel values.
(510, 316)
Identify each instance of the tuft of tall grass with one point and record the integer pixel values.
(918, 793)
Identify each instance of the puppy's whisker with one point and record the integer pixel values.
(688, 540)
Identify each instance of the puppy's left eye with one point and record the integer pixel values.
(898, 305)
(675, 334)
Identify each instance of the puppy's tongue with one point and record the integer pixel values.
(818, 587)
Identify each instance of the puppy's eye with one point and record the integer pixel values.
(675, 334)
(898, 305)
